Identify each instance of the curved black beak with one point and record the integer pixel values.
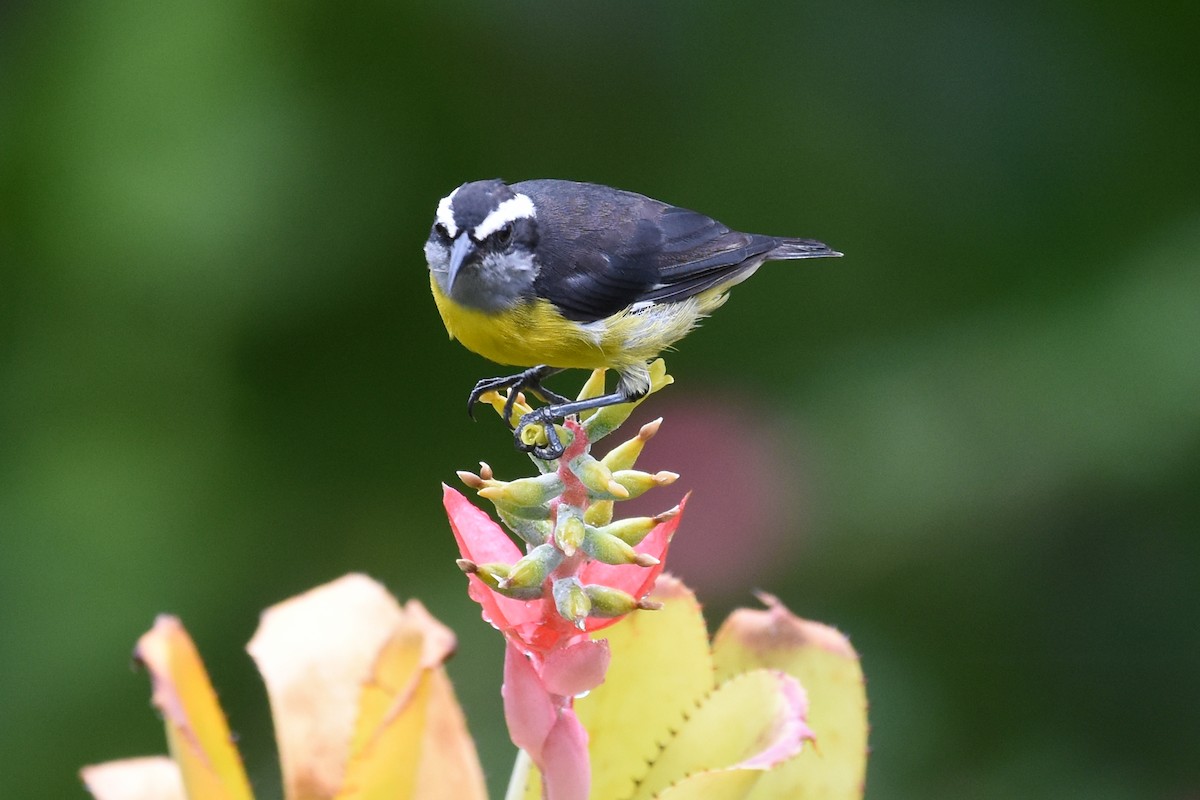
(462, 250)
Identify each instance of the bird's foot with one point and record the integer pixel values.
(531, 380)
(536, 434)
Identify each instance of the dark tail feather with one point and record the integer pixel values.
(786, 249)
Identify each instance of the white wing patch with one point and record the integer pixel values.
(445, 213)
(511, 210)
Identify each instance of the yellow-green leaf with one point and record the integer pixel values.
(753, 721)
(197, 732)
(661, 669)
(735, 784)
(826, 665)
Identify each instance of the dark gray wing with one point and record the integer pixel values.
(602, 250)
(594, 246)
(698, 253)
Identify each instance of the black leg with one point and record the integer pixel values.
(546, 415)
(530, 379)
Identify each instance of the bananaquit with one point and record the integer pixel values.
(552, 275)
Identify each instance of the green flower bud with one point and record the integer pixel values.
(572, 601)
(523, 492)
(494, 575)
(625, 454)
(531, 571)
(498, 401)
(598, 479)
(570, 531)
(532, 531)
(534, 436)
(611, 550)
(630, 531)
(599, 513)
(608, 602)
(638, 483)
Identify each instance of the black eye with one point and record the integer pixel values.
(441, 230)
(504, 236)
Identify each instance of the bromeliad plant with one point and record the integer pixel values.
(612, 688)
(580, 572)
(645, 709)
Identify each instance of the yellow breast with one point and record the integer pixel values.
(533, 332)
(528, 334)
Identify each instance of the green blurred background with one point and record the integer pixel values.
(973, 444)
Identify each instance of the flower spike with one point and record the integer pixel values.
(587, 571)
(673, 717)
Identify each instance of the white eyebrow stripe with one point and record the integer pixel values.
(445, 213)
(511, 210)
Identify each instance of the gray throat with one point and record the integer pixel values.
(495, 283)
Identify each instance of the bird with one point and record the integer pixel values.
(555, 274)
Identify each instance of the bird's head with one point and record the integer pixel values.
(481, 247)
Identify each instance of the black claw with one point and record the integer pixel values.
(508, 406)
(546, 454)
(486, 385)
(530, 380)
(545, 417)
(559, 407)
